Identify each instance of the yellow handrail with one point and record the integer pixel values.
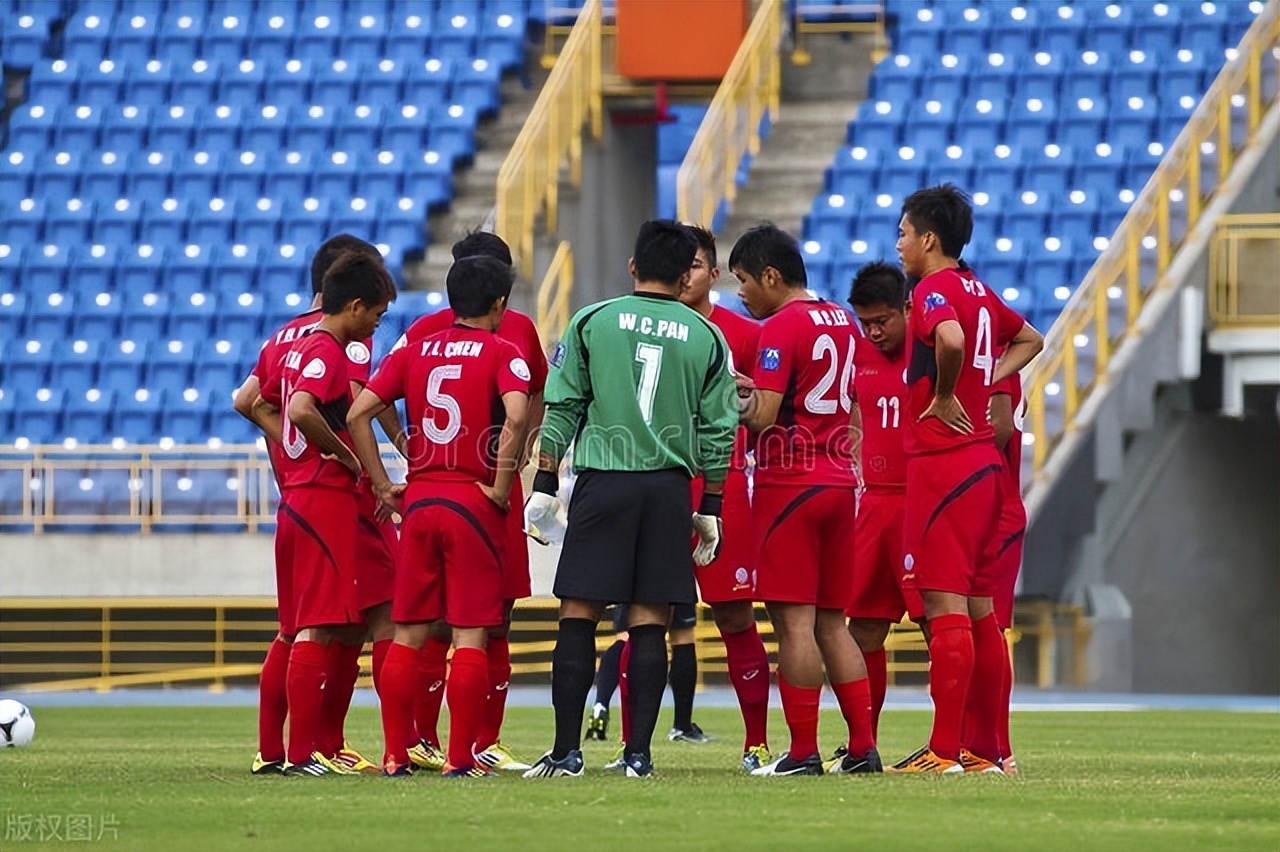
(1250, 297)
(731, 127)
(554, 294)
(528, 182)
(1104, 308)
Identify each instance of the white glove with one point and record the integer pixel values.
(709, 529)
(542, 519)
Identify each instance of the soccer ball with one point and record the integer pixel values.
(17, 725)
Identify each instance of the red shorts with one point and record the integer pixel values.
(515, 563)
(732, 576)
(286, 606)
(805, 549)
(375, 559)
(1004, 558)
(949, 519)
(316, 535)
(450, 560)
(877, 575)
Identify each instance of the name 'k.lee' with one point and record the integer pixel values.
(646, 325)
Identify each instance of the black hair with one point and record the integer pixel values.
(474, 283)
(706, 243)
(664, 251)
(946, 211)
(482, 244)
(356, 275)
(879, 283)
(329, 252)
(768, 245)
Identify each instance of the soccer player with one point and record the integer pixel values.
(879, 390)
(953, 470)
(805, 497)
(377, 568)
(466, 389)
(318, 531)
(519, 330)
(728, 583)
(643, 386)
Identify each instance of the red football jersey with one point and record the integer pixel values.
(316, 364)
(988, 325)
(743, 337)
(452, 383)
(880, 391)
(806, 354)
(267, 368)
(517, 328)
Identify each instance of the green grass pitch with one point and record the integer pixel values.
(177, 778)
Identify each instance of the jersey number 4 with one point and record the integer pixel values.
(816, 401)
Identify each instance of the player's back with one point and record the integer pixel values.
(316, 364)
(807, 355)
(881, 388)
(516, 328)
(958, 295)
(453, 389)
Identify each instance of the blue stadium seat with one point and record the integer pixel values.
(133, 36)
(221, 362)
(136, 417)
(243, 175)
(242, 83)
(170, 366)
(98, 318)
(148, 85)
(195, 176)
(13, 314)
(476, 86)
(212, 223)
(225, 37)
(428, 82)
(186, 417)
(86, 420)
(31, 127)
(239, 318)
(187, 272)
(116, 224)
(406, 129)
(122, 364)
(53, 82)
(144, 315)
(16, 176)
(363, 30)
(24, 41)
(85, 37)
(22, 222)
(429, 180)
(334, 84)
(273, 31)
(290, 86)
(93, 269)
(309, 128)
(356, 128)
(191, 318)
(38, 413)
(27, 363)
(194, 84)
(173, 130)
(335, 179)
(234, 269)
(69, 225)
(381, 82)
(44, 271)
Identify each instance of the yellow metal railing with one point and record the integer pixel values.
(1244, 289)
(554, 295)
(731, 129)
(1103, 310)
(528, 182)
(813, 17)
(147, 488)
(61, 644)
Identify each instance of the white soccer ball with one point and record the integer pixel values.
(17, 725)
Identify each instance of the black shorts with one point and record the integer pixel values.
(683, 616)
(628, 539)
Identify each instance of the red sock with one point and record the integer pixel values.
(273, 700)
(339, 686)
(468, 689)
(878, 675)
(624, 689)
(498, 656)
(990, 659)
(399, 688)
(854, 697)
(950, 669)
(432, 664)
(308, 662)
(1006, 696)
(380, 649)
(800, 709)
(748, 663)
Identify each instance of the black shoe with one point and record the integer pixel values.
(637, 766)
(811, 765)
(307, 768)
(598, 724)
(693, 734)
(850, 764)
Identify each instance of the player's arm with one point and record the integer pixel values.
(250, 405)
(368, 407)
(533, 423)
(1000, 413)
(567, 395)
(511, 446)
(855, 437)
(306, 417)
(716, 421)
(948, 347)
(1024, 347)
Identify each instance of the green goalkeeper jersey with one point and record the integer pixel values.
(642, 382)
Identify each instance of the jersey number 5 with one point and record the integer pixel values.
(441, 401)
(815, 401)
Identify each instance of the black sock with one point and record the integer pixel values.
(572, 667)
(684, 680)
(607, 676)
(647, 676)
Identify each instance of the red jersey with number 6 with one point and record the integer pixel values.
(988, 325)
(452, 383)
(806, 354)
(880, 390)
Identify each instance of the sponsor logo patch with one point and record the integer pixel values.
(557, 355)
(770, 358)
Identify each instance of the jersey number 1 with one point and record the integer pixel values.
(650, 358)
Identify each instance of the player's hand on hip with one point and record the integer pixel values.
(541, 518)
(390, 498)
(349, 461)
(710, 532)
(949, 410)
(502, 501)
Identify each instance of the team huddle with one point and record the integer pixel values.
(843, 472)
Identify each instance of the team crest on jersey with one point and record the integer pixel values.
(770, 358)
(315, 369)
(908, 563)
(557, 355)
(520, 368)
(933, 300)
(357, 352)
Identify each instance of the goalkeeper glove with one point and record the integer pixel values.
(541, 511)
(710, 530)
